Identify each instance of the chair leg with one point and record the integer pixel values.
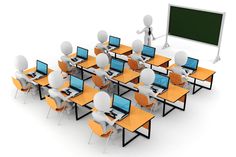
(61, 115)
(106, 144)
(16, 93)
(26, 95)
(90, 137)
(48, 112)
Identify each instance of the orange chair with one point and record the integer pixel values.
(97, 51)
(62, 65)
(97, 129)
(53, 105)
(99, 83)
(176, 79)
(133, 64)
(20, 88)
(142, 100)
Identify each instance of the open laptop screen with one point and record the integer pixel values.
(82, 53)
(148, 51)
(161, 81)
(41, 67)
(120, 103)
(76, 83)
(114, 41)
(191, 63)
(117, 65)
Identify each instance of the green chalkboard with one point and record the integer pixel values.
(193, 24)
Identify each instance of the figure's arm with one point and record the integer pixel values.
(139, 32)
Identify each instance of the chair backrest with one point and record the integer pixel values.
(133, 64)
(97, 81)
(95, 127)
(51, 102)
(17, 83)
(141, 99)
(62, 65)
(175, 78)
(97, 51)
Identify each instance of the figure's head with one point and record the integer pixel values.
(102, 36)
(102, 60)
(147, 76)
(137, 46)
(181, 58)
(66, 48)
(55, 79)
(147, 20)
(102, 101)
(21, 63)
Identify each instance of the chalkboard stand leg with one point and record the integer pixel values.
(166, 46)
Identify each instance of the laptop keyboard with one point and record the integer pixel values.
(109, 73)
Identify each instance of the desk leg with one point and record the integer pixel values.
(77, 115)
(164, 113)
(40, 92)
(118, 88)
(82, 73)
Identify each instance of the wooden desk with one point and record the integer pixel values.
(172, 95)
(41, 82)
(90, 62)
(201, 74)
(136, 119)
(159, 60)
(122, 50)
(128, 75)
(83, 99)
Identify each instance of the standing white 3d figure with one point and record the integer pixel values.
(137, 47)
(102, 38)
(148, 37)
(102, 61)
(147, 77)
(180, 59)
(56, 81)
(67, 49)
(102, 104)
(21, 64)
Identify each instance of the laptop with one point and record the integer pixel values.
(148, 52)
(191, 65)
(41, 70)
(114, 42)
(160, 84)
(81, 55)
(120, 106)
(76, 87)
(116, 68)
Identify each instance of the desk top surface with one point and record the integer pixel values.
(127, 76)
(158, 60)
(90, 62)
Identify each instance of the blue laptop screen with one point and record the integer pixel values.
(114, 41)
(161, 81)
(121, 103)
(76, 83)
(82, 53)
(191, 63)
(117, 65)
(148, 51)
(41, 67)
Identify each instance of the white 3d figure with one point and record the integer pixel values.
(21, 64)
(137, 47)
(102, 61)
(56, 81)
(148, 37)
(102, 38)
(180, 60)
(102, 103)
(67, 49)
(147, 77)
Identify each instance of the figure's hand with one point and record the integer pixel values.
(138, 32)
(154, 38)
(118, 116)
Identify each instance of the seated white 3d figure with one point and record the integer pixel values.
(21, 64)
(180, 60)
(102, 61)
(147, 77)
(102, 38)
(137, 47)
(102, 105)
(67, 49)
(56, 81)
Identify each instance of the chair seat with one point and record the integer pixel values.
(107, 134)
(61, 109)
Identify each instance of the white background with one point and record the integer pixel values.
(37, 28)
